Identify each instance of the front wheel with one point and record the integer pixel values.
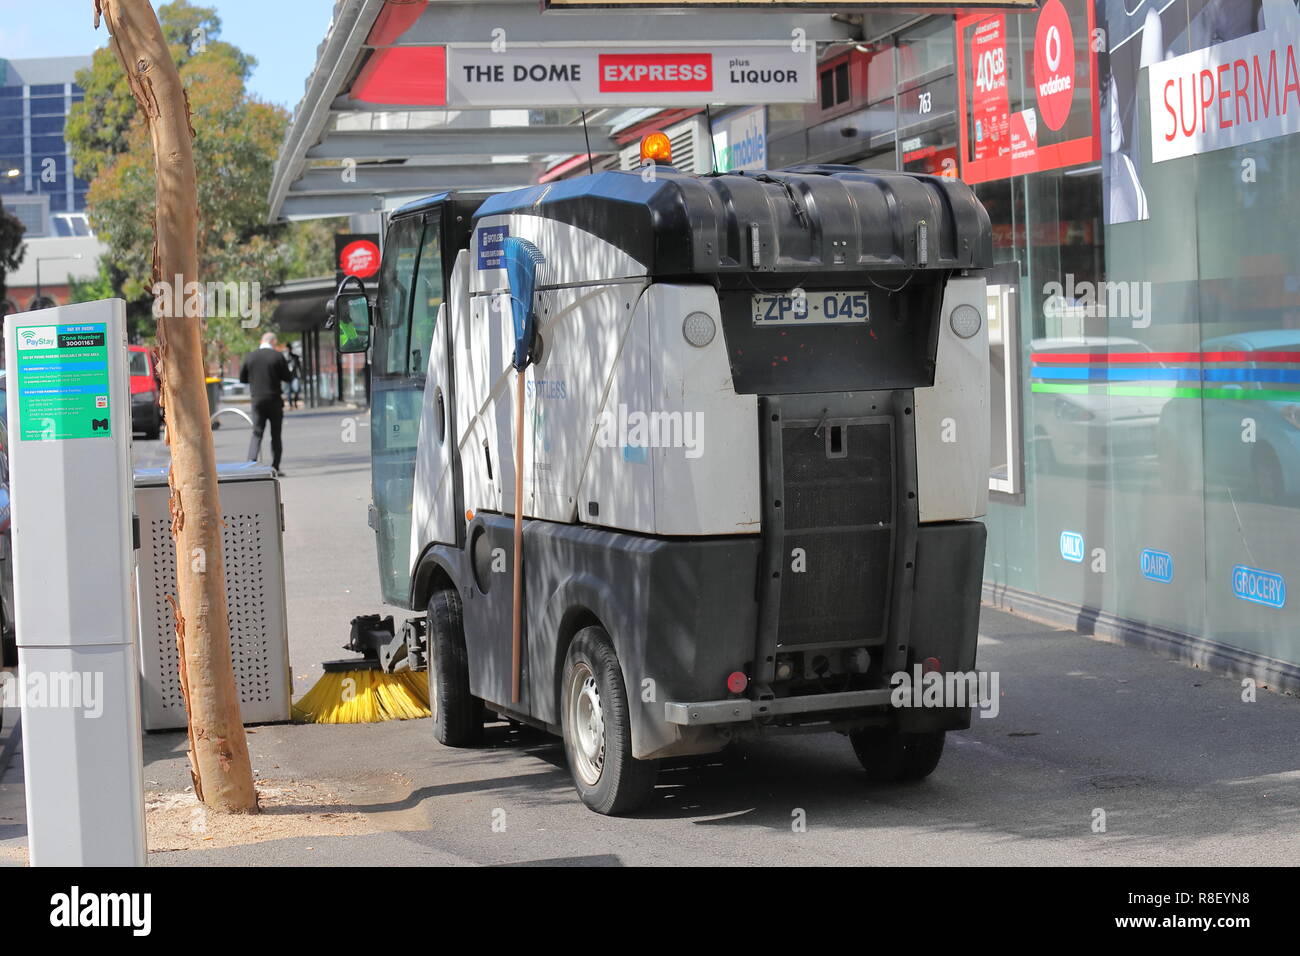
(596, 722)
(889, 756)
(457, 714)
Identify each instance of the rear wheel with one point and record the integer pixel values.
(457, 714)
(889, 756)
(597, 728)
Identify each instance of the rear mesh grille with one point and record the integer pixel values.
(839, 508)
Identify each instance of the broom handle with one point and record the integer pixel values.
(516, 647)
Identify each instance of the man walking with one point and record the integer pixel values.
(265, 370)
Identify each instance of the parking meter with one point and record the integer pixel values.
(68, 400)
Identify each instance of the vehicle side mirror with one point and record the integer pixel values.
(350, 312)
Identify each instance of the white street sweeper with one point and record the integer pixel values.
(666, 461)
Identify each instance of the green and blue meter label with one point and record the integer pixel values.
(63, 382)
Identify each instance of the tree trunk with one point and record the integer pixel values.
(219, 762)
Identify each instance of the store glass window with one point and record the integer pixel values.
(834, 85)
(880, 72)
(925, 50)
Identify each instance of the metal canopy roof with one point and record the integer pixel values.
(347, 152)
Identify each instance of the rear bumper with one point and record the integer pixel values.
(743, 710)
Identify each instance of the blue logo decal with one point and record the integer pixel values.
(1157, 566)
(636, 454)
(1259, 587)
(490, 247)
(1072, 546)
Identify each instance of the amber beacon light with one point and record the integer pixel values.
(656, 148)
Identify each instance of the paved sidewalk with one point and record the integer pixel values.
(1185, 772)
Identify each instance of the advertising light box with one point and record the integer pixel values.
(1026, 97)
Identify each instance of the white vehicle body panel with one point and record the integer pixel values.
(952, 416)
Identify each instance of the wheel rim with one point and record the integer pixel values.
(586, 725)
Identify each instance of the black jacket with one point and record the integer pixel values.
(264, 370)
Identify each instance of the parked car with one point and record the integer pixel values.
(1251, 443)
(1094, 428)
(146, 409)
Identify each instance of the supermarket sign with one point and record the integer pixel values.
(524, 76)
(1259, 587)
(1229, 94)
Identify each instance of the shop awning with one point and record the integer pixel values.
(374, 126)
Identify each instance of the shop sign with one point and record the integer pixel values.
(1259, 587)
(1057, 125)
(1157, 566)
(740, 140)
(535, 76)
(1230, 94)
(1072, 546)
(356, 254)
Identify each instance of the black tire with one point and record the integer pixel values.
(154, 432)
(889, 756)
(457, 714)
(599, 749)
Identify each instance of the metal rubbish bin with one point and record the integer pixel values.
(214, 395)
(252, 538)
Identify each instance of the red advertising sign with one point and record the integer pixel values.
(1012, 124)
(1054, 64)
(990, 108)
(360, 259)
(655, 72)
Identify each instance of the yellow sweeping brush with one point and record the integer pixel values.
(351, 693)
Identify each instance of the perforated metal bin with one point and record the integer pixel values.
(253, 553)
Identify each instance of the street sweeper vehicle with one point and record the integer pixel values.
(666, 461)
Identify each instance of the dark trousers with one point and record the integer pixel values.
(269, 408)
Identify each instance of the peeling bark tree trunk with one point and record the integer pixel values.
(223, 775)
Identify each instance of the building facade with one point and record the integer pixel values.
(37, 182)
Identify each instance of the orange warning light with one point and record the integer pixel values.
(656, 147)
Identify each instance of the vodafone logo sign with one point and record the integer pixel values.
(1053, 48)
(1054, 64)
(360, 259)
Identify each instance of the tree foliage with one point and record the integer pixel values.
(237, 138)
(11, 245)
(100, 126)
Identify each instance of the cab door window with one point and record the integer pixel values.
(396, 287)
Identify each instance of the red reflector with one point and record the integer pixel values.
(930, 666)
(737, 682)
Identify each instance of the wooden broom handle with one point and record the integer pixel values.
(517, 642)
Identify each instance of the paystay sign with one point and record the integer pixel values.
(1230, 94)
(540, 76)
